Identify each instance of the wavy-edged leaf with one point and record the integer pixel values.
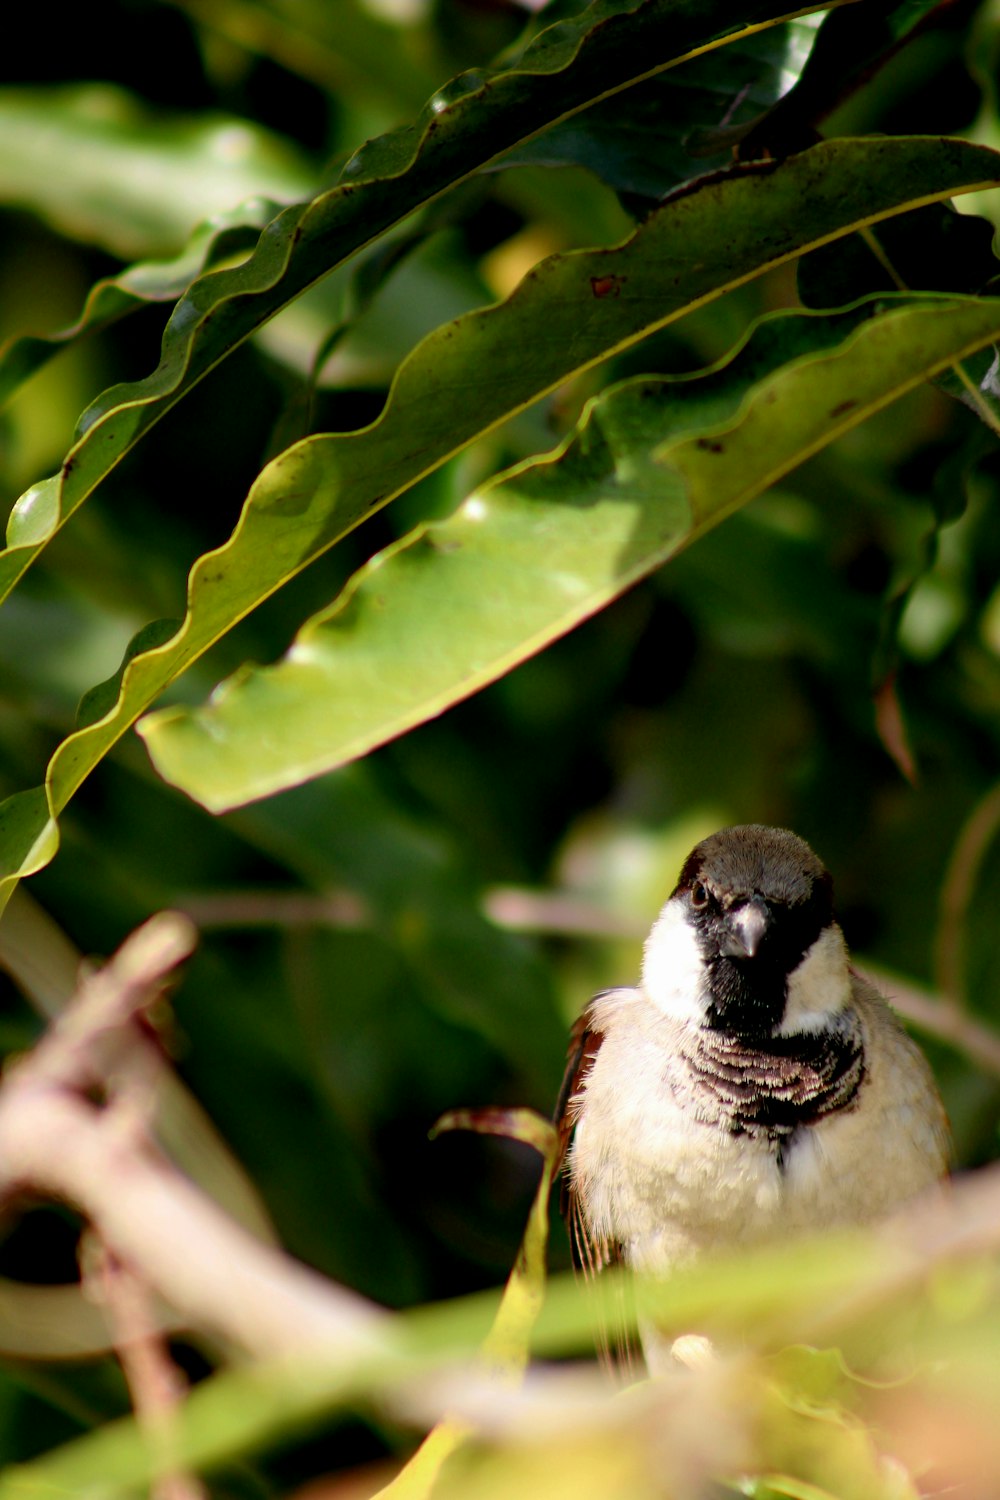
(101, 168)
(569, 312)
(853, 44)
(114, 297)
(654, 464)
(932, 249)
(661, 134)
(772, 86)
(467, 124)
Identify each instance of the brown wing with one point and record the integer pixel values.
(584, 1044)
(591, 1253)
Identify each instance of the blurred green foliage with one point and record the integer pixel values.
(374, 951)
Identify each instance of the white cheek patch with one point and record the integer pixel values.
(820, 987)
(673, 970)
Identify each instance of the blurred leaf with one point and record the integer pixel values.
(457, 603)
(347, 48)
(102, 169)
(861, 1286)
(891, 727)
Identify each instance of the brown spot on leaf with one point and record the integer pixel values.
(607, 286)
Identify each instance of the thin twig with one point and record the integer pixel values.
(559, 914)
(156, 1386)
(237, 909)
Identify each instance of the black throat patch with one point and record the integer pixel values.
(746, 998)
(771, 1086)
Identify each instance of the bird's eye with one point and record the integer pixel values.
(699, 896)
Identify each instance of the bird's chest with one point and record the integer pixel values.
(677, 1151)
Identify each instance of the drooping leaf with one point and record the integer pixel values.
(767, 90)
(459, 602)
(350, 49)
(568, 313)
(467, 124)
(416, 885)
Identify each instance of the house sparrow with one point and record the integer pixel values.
(753, 1087)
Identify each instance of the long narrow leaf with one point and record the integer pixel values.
(661, 133)
(228, 234)
(568, 313)
(466, 125)
(654, 465)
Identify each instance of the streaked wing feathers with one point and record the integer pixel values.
(592, 1253)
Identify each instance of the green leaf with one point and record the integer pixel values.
(934, 248)
(568, 313)
(657, 135)
(234, 232)
(655, 463)
(768, 88)
(104, 170)
(467, 124)
(346, 832)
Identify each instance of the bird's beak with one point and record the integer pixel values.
(746, 926)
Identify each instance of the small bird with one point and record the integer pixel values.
(753, 1087)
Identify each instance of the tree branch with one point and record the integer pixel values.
(57, 1142)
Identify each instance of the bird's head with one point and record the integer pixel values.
(748, 943)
